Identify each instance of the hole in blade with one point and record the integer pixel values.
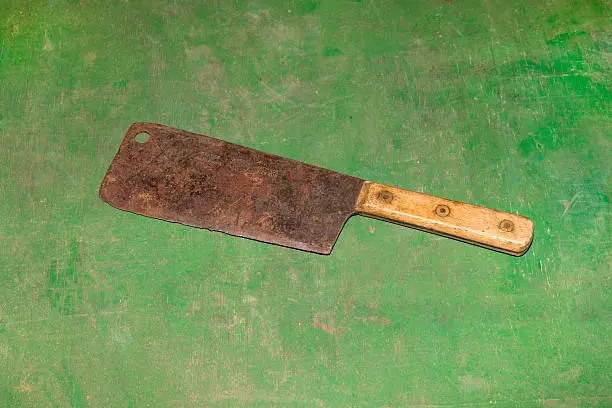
(142, 137)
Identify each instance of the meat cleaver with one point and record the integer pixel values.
(196, 180)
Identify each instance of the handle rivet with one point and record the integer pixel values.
(442, 210)
(506, 225)
(385, 196)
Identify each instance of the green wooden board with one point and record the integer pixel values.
(498, 103)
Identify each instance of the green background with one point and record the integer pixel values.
(494, 102)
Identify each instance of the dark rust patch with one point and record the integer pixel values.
(200, 181)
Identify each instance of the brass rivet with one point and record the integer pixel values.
(385, 196)
(506, 225)
(442, 210)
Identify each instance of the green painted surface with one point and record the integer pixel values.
(499, 103)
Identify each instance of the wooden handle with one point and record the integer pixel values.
(500, 231)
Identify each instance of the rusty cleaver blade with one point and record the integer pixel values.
(183, 177)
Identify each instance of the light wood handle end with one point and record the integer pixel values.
(500, 231)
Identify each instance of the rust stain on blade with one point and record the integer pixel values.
(203, 182)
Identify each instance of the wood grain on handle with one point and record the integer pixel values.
(500, 231)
